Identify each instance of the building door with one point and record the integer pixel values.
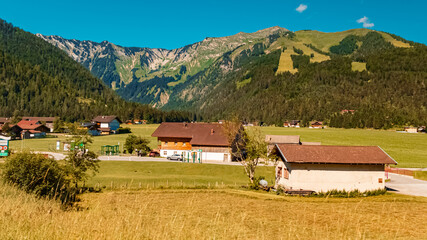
(225, 157)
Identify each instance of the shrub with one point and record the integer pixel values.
(255, 184)
(35, 173)
(123, 130)
(351, 194)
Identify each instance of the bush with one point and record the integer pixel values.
(255, 184)
(123, 130)
(351, 194)
(35, 173)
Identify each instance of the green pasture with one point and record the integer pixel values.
(137, 175)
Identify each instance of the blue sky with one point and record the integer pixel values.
(173, 24)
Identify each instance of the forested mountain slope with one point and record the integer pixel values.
(38, 79)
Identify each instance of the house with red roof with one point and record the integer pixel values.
(194, 141)
(32, 129)
(322, 168)
(47, 121)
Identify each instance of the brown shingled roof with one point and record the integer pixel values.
(4, 120)
(105, 119)
(334, 154)
(203, 134)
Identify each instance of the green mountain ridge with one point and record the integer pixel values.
(38, 79)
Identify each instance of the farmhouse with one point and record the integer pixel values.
(324, 168)
(204, 141)
(32, 129)
(295, 123)
(47, 121)
(316, 124)
(107, 124)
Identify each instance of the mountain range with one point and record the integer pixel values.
(270, 76)
(158, 72)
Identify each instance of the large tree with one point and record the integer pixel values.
(248, 146)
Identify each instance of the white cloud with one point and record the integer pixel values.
(365, 21)
(301, 8)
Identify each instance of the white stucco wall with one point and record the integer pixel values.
(325, 177)
(205, 156)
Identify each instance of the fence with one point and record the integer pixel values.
(400, 171)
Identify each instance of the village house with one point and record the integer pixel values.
(411, 129)
(14, 131)
(316, 125)
(4, 120)
(92, 128)
(295, 123)
(272, 140)
(204, 141)
(47, 121)
(107, 124)
(32, 129)
(325, 168)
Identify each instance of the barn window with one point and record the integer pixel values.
(166, 143)
(165, 152)
(380, 180)
(176, 143)
(184, 144)
(175, 152)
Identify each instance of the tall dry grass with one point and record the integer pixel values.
(211, 214)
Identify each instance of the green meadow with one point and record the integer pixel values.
(155, 175)
(408, 149)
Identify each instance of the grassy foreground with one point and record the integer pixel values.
(211, 214)
(409, 150)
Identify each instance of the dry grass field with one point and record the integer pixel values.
(211, 214)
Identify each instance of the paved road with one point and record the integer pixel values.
(60, 156)
(407, 185)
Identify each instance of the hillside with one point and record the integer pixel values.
(38, 79)
(272, 75)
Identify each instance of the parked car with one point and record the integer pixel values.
(154, 154)
(176, 157)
